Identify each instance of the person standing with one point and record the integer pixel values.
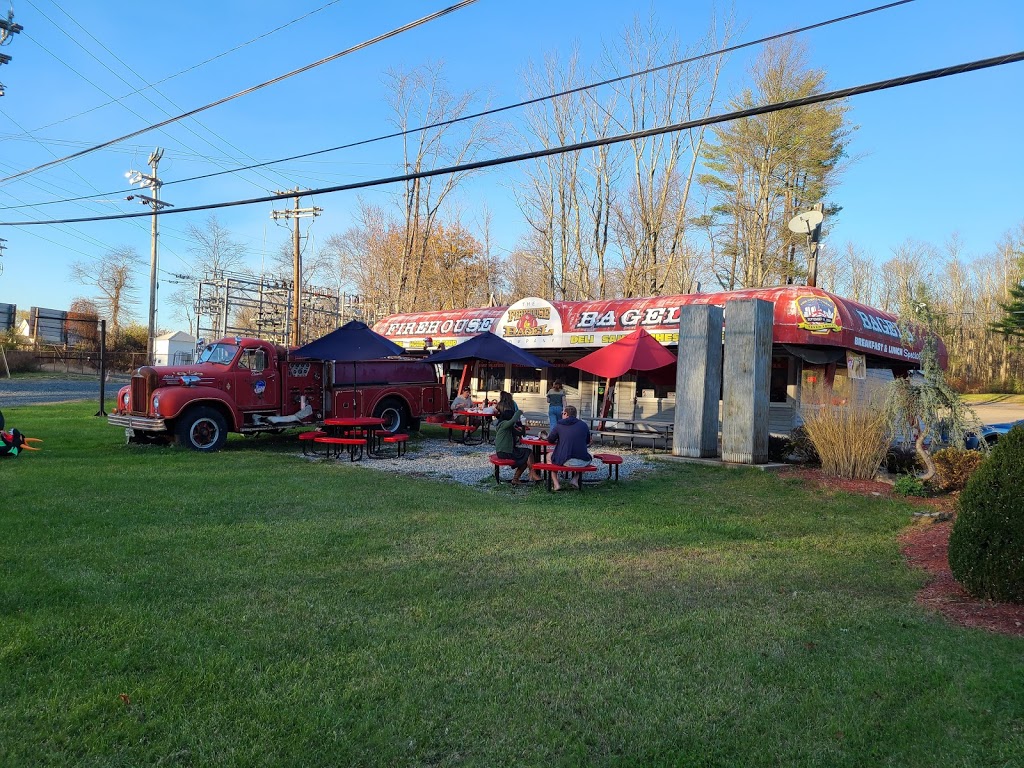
(556, 402)
(571, 438)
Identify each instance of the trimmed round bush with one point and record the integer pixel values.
(986, 547)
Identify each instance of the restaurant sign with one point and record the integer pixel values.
(533, 320)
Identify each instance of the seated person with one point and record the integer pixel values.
(506, 448)
(463, 402)
(571, 438)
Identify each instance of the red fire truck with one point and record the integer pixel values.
(249, 386)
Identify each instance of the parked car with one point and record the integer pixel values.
(991, 433)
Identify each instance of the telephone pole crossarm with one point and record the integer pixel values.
(296, 213)
(151, 181)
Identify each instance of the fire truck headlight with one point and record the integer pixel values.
(156, 403)
(124, 399)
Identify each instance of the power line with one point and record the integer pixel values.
(496, 110)
(118, 75)
(186, 70)
(278, 79)
(842, 93)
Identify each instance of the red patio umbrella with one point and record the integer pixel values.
(639, 351)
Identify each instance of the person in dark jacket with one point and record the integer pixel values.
(571, 438)
(506, 448)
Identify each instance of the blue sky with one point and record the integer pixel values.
(932, 159)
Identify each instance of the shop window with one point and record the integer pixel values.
(525, 380)
(812, 385)
(647, 388)
(491, 378)
(842, 388)
(780, 380)
(570, 377)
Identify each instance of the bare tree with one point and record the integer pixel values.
(651, 221)
(113, 276)
(82, 323)
(421, 98)
(909, 272)
(213, 249)
(213, 252)
(567, 198)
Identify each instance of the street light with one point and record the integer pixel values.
(150, 181)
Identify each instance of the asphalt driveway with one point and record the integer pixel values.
(35, 390)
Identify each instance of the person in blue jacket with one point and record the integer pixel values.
(571, 438)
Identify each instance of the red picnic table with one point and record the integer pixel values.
(365, 424)
(540, 447)
(480, 418)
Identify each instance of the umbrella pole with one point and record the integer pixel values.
(465, 378)
(608, 402)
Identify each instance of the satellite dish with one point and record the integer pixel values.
(804, 223)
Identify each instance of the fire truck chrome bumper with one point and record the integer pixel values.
(141, 423)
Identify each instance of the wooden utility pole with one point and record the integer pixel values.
(296, 213)
(152, 182)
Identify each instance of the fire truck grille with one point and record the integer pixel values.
(140, 394)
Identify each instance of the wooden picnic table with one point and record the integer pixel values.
(632, 430)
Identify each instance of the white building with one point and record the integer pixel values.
(176, 348)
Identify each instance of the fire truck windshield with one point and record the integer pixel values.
(220, 354)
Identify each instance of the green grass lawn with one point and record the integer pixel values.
(257, 608)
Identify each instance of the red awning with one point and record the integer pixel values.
(638, 351)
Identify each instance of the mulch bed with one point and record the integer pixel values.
(925, 545)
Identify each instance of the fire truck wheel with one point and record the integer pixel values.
(394, 413)
(201, 429)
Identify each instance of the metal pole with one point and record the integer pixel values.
(103, 367)
(812, 243)
(296, 278)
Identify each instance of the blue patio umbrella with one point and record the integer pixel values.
(352, 343)
(490, 348)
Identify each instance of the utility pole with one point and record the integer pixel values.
(296, 213)
(7, 29)
(151, 182)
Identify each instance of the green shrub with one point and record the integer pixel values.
(779, 448)
(803, 448)
(954, 467)
(901, 460)
(908, 485)
(20, 361)
(986, 547)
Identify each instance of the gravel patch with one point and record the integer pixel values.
(437, 459)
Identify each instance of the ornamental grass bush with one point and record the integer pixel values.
(954, 467)
(986, 546)
(851, 440)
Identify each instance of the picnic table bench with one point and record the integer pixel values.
(547, 469)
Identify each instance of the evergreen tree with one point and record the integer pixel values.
(1012, 325)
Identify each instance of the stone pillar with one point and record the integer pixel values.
(698, 381)
(746, 377)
